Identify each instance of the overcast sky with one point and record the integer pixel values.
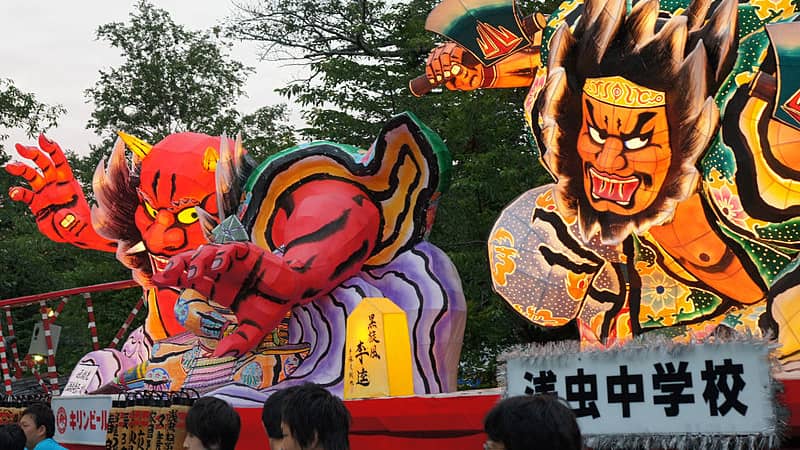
(48, 48)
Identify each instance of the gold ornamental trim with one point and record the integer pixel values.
(620, 92)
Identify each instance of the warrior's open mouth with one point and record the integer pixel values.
(613, 188)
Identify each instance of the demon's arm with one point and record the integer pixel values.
(55, 197)
(323, 231)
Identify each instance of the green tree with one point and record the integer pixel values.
(173, 79)
(267, 131)
(20, 109)
(360, 56)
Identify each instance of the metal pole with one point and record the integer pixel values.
(51, 356)
(4, 363)
(12, 337)
(127, 324)
(60, 307)
(92, 324)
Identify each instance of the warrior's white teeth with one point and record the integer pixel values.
(607, 186)
(605, 180)
(138, 248)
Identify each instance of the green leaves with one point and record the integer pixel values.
(21, 110)
(171, 79)
(266, 131)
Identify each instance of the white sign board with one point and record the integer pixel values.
(39, 341)
(82, 419)
(710, 389)
(80, 379)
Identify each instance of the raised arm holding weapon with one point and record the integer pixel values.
(491, 46)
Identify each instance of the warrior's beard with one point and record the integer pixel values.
(614, 228)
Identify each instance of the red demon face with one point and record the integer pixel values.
(176, 177)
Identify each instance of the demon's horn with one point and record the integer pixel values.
(139, 147)
(210, 158)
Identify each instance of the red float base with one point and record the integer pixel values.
(436, 422)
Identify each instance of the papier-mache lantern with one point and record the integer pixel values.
(378, 351)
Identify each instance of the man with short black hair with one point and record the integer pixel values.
(271, 417)
(12, 437)
(311, 418)
(211, 424)
(539, 421)
(39, 426)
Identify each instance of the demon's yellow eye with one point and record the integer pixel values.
(187, 216)
(150, 210)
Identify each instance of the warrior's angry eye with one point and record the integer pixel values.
(636, 143)
(596, 135)
(150, 210)
(188, 216)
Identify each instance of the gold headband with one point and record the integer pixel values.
(620, 92)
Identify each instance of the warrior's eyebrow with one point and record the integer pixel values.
(641, 121)
(592, 121)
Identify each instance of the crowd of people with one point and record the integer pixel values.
(35, 430)
(303, 417)
(308, 417)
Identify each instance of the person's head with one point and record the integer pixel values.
(38, 423)
(12, 437)
(211, 424)
(313, 418)
(526, 422)
(271, 417)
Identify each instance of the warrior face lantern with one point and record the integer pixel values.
(623, 145)
(627, 110)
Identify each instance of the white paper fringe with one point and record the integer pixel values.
(767, 440)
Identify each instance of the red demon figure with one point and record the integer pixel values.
(146, 212)
(313, 230)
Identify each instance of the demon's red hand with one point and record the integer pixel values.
(230, 275)
(55, 198)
